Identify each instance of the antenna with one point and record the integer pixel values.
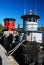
(24, 11)
(24, 7)
(36, 6)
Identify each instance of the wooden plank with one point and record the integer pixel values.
(5, 59)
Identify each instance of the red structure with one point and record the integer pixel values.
(9, 23)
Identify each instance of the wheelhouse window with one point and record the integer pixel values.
(33, 19)
(30, 19)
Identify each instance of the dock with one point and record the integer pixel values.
(6, 60)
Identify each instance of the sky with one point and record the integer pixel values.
(15, 9)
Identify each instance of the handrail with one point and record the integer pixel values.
(14, 49)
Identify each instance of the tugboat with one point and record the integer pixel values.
(28, 52)
(27, 48)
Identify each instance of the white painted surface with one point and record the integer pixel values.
(36, 37)
(30, 26)
(32, 37)
(7, 32)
